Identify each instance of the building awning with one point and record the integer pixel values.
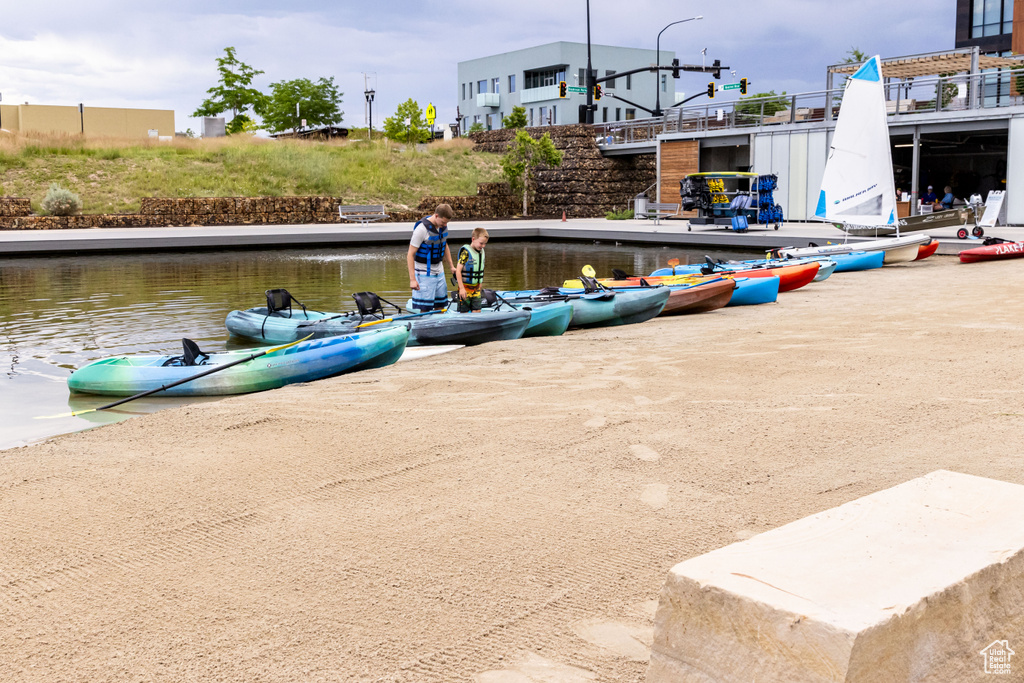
(933, 64)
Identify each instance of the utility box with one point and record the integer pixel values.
(640, 207)
(213, 127)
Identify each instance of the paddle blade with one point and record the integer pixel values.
(374, 322)
(588, 271)
(673, 262)
(71, 414)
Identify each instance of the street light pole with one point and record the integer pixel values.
(590, 74)
(369, 100)
(657, 74)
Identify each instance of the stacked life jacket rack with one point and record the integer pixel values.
(733, 199)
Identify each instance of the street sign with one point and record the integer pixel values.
(431, 114)
(731, 86)
(578, 89)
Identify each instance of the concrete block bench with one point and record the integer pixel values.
(362, 213)
(921, 582)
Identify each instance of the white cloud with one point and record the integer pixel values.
(132, 54)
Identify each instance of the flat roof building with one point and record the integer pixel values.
(994, 26)
(489, 87)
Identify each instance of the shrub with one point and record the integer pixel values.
(60, 201)
(625, 214)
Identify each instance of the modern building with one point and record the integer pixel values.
(490, 86)
(93, 121)
(994, 26)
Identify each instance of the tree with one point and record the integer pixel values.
(854, 56)
(395, 127)
(524, 157)
(317, 103)
(477, 127)
(234, 93)
(517, 119)
(751, 106)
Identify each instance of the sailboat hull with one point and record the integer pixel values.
(901, 254)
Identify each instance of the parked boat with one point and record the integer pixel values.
(702, 295)
(926, 250)
(894, 249)
(752, 291)
(858, 260)
(597, 309)
(994, 249)
(791, 277)
(446, 327)
(303, 362)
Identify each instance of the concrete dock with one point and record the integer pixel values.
(670, 232)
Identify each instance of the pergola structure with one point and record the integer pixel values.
(964, 60)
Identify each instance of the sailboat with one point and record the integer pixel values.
(857, 189)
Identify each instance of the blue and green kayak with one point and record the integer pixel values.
(304, 362)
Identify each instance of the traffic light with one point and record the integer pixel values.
(675, 68)
(743, 86)
(597, 92)
(711, 90)
(716, 65)
(562, 88)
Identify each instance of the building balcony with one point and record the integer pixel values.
(488, 99)
(546, 92)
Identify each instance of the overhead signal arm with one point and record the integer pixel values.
(715, 69)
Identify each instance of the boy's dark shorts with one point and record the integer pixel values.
(471, 303)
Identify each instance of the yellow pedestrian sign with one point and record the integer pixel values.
(431, 114)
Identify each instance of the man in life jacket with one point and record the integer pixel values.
(469, 273)
(428, 252)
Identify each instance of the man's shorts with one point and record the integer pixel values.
(472, 302)
(433, 293)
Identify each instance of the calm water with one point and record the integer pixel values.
(58, 313)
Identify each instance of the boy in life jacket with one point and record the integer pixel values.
(469, 273)
(428, 252)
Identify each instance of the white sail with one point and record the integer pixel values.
(858, 186)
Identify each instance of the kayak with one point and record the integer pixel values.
(926, 250)
(702, 295)
(549, 320)
(791, 277)
(858, 260)
(994, 251)
(306, 361)
(598, 309)
(896, 249)
(465, 329)
(751, 291)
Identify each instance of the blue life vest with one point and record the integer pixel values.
(432, 249)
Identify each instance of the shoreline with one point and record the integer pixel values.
(500, 510)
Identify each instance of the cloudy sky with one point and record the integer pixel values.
(137, 53)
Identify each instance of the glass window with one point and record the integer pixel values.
(611, 83)
(604, 114)
(470, 91)
(618, 114)
(554, 113)
(543, 116)
(495, 85)
(490, 122)
(630, 114)
(531, 117)
(463, 91)
(481, 87)
(583, 78)
(629, 82)
(664, 82)
(512, 83)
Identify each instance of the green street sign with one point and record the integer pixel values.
(731, 86)
(577, 88)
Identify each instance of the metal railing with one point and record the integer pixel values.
(961, 92)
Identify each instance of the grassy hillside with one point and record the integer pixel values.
(110, 175)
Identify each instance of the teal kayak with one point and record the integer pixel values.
(598, 309)
(306, 361)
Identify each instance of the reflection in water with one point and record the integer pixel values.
(58, 313)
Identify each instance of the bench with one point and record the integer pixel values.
(657, 210)
(362, 213)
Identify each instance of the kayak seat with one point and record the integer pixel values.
(192, 355)
(550, 291)
(489, 296)
(372, 306)
(279, 300)
(620, 274)
(589, 284)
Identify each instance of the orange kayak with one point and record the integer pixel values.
(790, 277)
(926, 250)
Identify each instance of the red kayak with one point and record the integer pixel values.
(790, 277)
(993, 252)
(926, 250)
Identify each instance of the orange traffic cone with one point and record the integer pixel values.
(563, 215)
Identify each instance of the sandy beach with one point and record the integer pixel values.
(505, 513)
